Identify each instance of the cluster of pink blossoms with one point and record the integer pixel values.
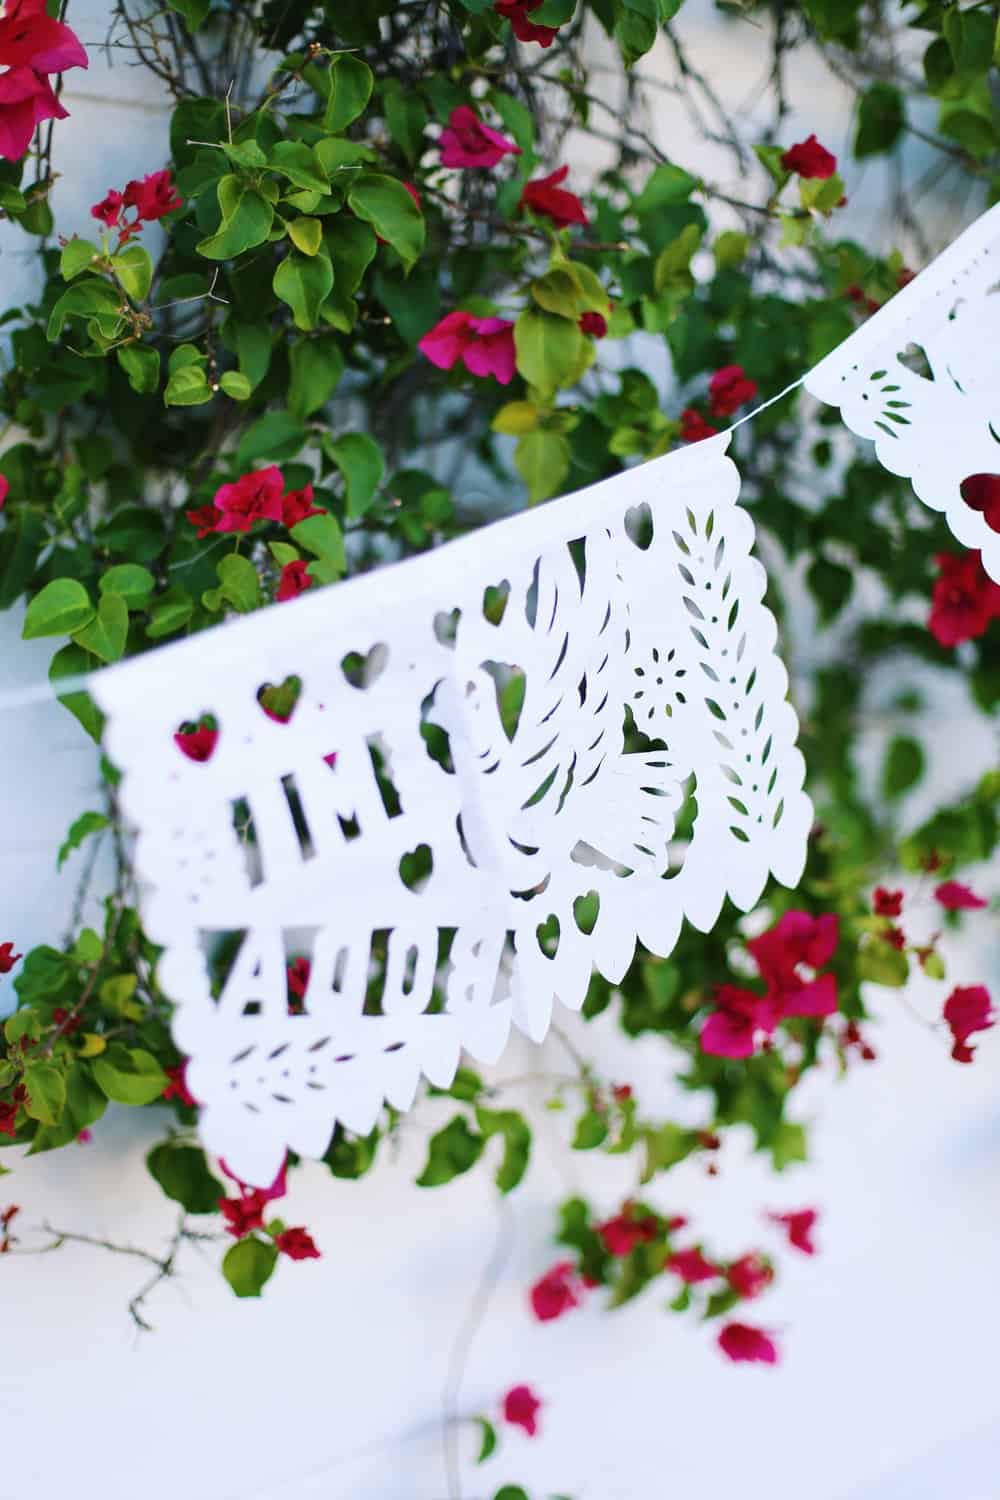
(245, 1213)
(151, 198)
(32, 45)
(728, 389)
(260, 496)
(965, 599)
(788, 957)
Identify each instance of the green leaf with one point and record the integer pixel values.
(489, 1440)
(672, 266)
(62, 606)
(511, 1492)
(452, 1151)
(558, 292)
(246, 221)
(635, 28)
(306, 235)
(304, 282)
(184, 1176)
(300, 164)
(170, 613)
(730, 249)
(248, 1264)
(359, 458)
(85, 299)
(86, 825)
(236, 386)
(351, 246)
(187, 386)
(770, 158)
(105, 636)
(516, 418)
(238, 582)
(20, 545)
(129, 1075)
(141, 365)
(70, 662)
(46, 1085)
(903, 766)
(384, 203)
(880, 963)
(276, 435)
(134, 269)
(788, 1145)
(665, 1147)
(77, 255)
(666, 184)
(254, 346)
(316, 367)
(517, 1143)
(543, 460)
(548, 349)
(830, 584)
(881, 118)
(193, 11)
(322, 536)
(351, 83)
(406, 117)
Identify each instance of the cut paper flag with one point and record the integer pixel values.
(921, 379)
(488, 769)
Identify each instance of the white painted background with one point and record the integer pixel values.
(332, 1385)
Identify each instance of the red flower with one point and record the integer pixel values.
(205, 517)
(8, 958)
(622, 1233)
(728, 389)
(852, 1037)
(8, 1116)
(517, 12)
(956, 897)
(964, 601)
(750, 1275)
(798, 1226)
(521, 1407)
(887, 903)
(298, 982)
(294, 581)
(253, 497)
(154, 196)
(745, 1345)
(298, 506)
(809, 159)
(621, 1092)
(243, 1214)
(982, 492)
(30, 38)
(467, 142)
(967, 1009)
(692, 1267)
(739, 1020)
(199, 744)
(555, 1293)
(895, 937)
(593, 323)
(485, 346)
(546, 198)
(177, 1087)
(109, 210)
(4, 490)
(297, 1244)
(694, 427)
(26, 100)
(798, 940)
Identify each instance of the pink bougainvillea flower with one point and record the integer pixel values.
(594, 324)
(8, 1116)
(741, 1018)
(692, 1267)
(798, 1226)
(694, 427)
(8, 958)
(26, 100)
(298, 506)
(517, 13)
(550, 201)
(485, 346)
(621, 1234)
(621, 1093)
(467, 142)
(205, 518)
(954, 896)
(278, 1188)
(294, 581)
(254, 497)
(297, 1244)
(555, 1292)
(852, 1037)
(968, 1009)
(809, 159)
(729, 389)
(177, 1087)
(244, 1214)
(521, 1407)
(964, 601)
(746, 1345)
(887, 903)
(153, 196)
(798, 940)
(298, 982)
(198, 744)
(4, 490)
(30, 38)
(109, 210)
(750, 1275)
(982, 492)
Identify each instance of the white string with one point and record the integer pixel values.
(45, 691)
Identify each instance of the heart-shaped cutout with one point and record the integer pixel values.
(197, 738)
(279, 700)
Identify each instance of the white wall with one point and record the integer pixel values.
(332, 1385)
